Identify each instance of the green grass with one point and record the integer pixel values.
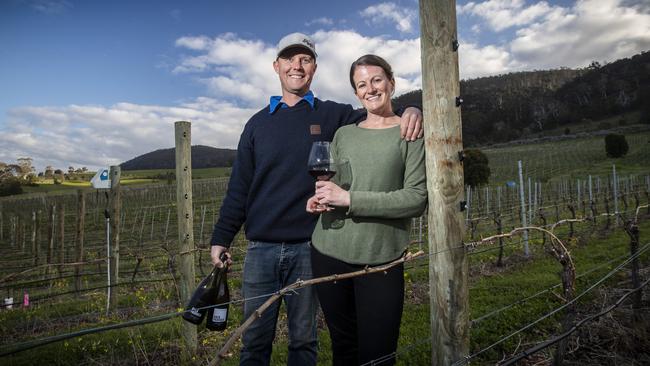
(160, 174)
(568, 159)
(128, 178)
(490, 288)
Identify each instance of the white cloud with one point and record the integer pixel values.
(242, 70)
(236, 68)
(404, 18)
(238, 77)
(601, 30)
(553, 36)
(320, 21)
(51, 6)
(475, 61)
(95, 136)
(502, 14)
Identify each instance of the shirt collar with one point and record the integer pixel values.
(276, 102)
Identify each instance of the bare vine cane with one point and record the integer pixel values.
(223, 353)
(562, 254)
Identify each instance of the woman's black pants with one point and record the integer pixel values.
(363, 314)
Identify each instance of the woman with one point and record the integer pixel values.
(369, 223)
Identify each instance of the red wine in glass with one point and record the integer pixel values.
(322, 173)
(320, 164)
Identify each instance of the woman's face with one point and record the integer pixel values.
(373, 88)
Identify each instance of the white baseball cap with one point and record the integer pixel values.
(297, 40)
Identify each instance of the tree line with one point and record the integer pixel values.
(524, 104)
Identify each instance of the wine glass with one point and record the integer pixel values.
(320, 164)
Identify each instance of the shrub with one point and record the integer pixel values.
(476, 167)
(616, 145)
(604, 125)
(10, 186)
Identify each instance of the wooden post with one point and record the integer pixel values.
(615, 179)
(497, 221)
(448, 268)
(79, 250)
(185, 223)
(35, 248)
(114, 239)
(50, 235)
(61, 234)
(632, 230)
(523, 208)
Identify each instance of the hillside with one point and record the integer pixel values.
(528, 104)
(202, 157)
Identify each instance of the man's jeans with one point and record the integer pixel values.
(268, 267)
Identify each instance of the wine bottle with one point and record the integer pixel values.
(203, 296)
(218, 315)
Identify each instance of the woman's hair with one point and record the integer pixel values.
(370, 60)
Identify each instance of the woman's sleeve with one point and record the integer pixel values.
(410, 201)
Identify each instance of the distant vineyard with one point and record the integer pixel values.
(42, 257)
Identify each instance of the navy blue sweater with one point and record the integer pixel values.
(270, 184)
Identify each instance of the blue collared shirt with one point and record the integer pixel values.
(276, 102)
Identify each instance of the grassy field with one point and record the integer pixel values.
(568, 159)
(555, 161)
(490, 288)
(128, 178)
(149, 204)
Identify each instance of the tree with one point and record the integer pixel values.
(9, 181)
(25, 167)
(10, 186)
(616, 145)
(475, 167)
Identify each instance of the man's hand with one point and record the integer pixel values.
(215, 254)
(314, 208)
(411, 124)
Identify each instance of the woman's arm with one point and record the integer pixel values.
(409, 201)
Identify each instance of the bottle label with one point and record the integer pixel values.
(195, 312)
(219, 315)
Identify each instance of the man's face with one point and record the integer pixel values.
(296, 68)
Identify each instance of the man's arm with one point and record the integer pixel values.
(411, 127)
(232, 214)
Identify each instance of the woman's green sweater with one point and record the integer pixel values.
(387, 182)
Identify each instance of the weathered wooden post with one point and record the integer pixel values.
(448, 267)
(114, 253)
(185, 222)
(50, 235)
(79, 250)
(632, 229)
(35, 247)
(523, 208)
(61, 234)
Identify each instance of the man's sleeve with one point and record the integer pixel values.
(232, 214)
(353, 116)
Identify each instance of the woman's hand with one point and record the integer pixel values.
(328, 193)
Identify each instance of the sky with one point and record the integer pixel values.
(95, 83)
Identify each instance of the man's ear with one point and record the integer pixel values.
(276, 66)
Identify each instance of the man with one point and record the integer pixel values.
(268, 190)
